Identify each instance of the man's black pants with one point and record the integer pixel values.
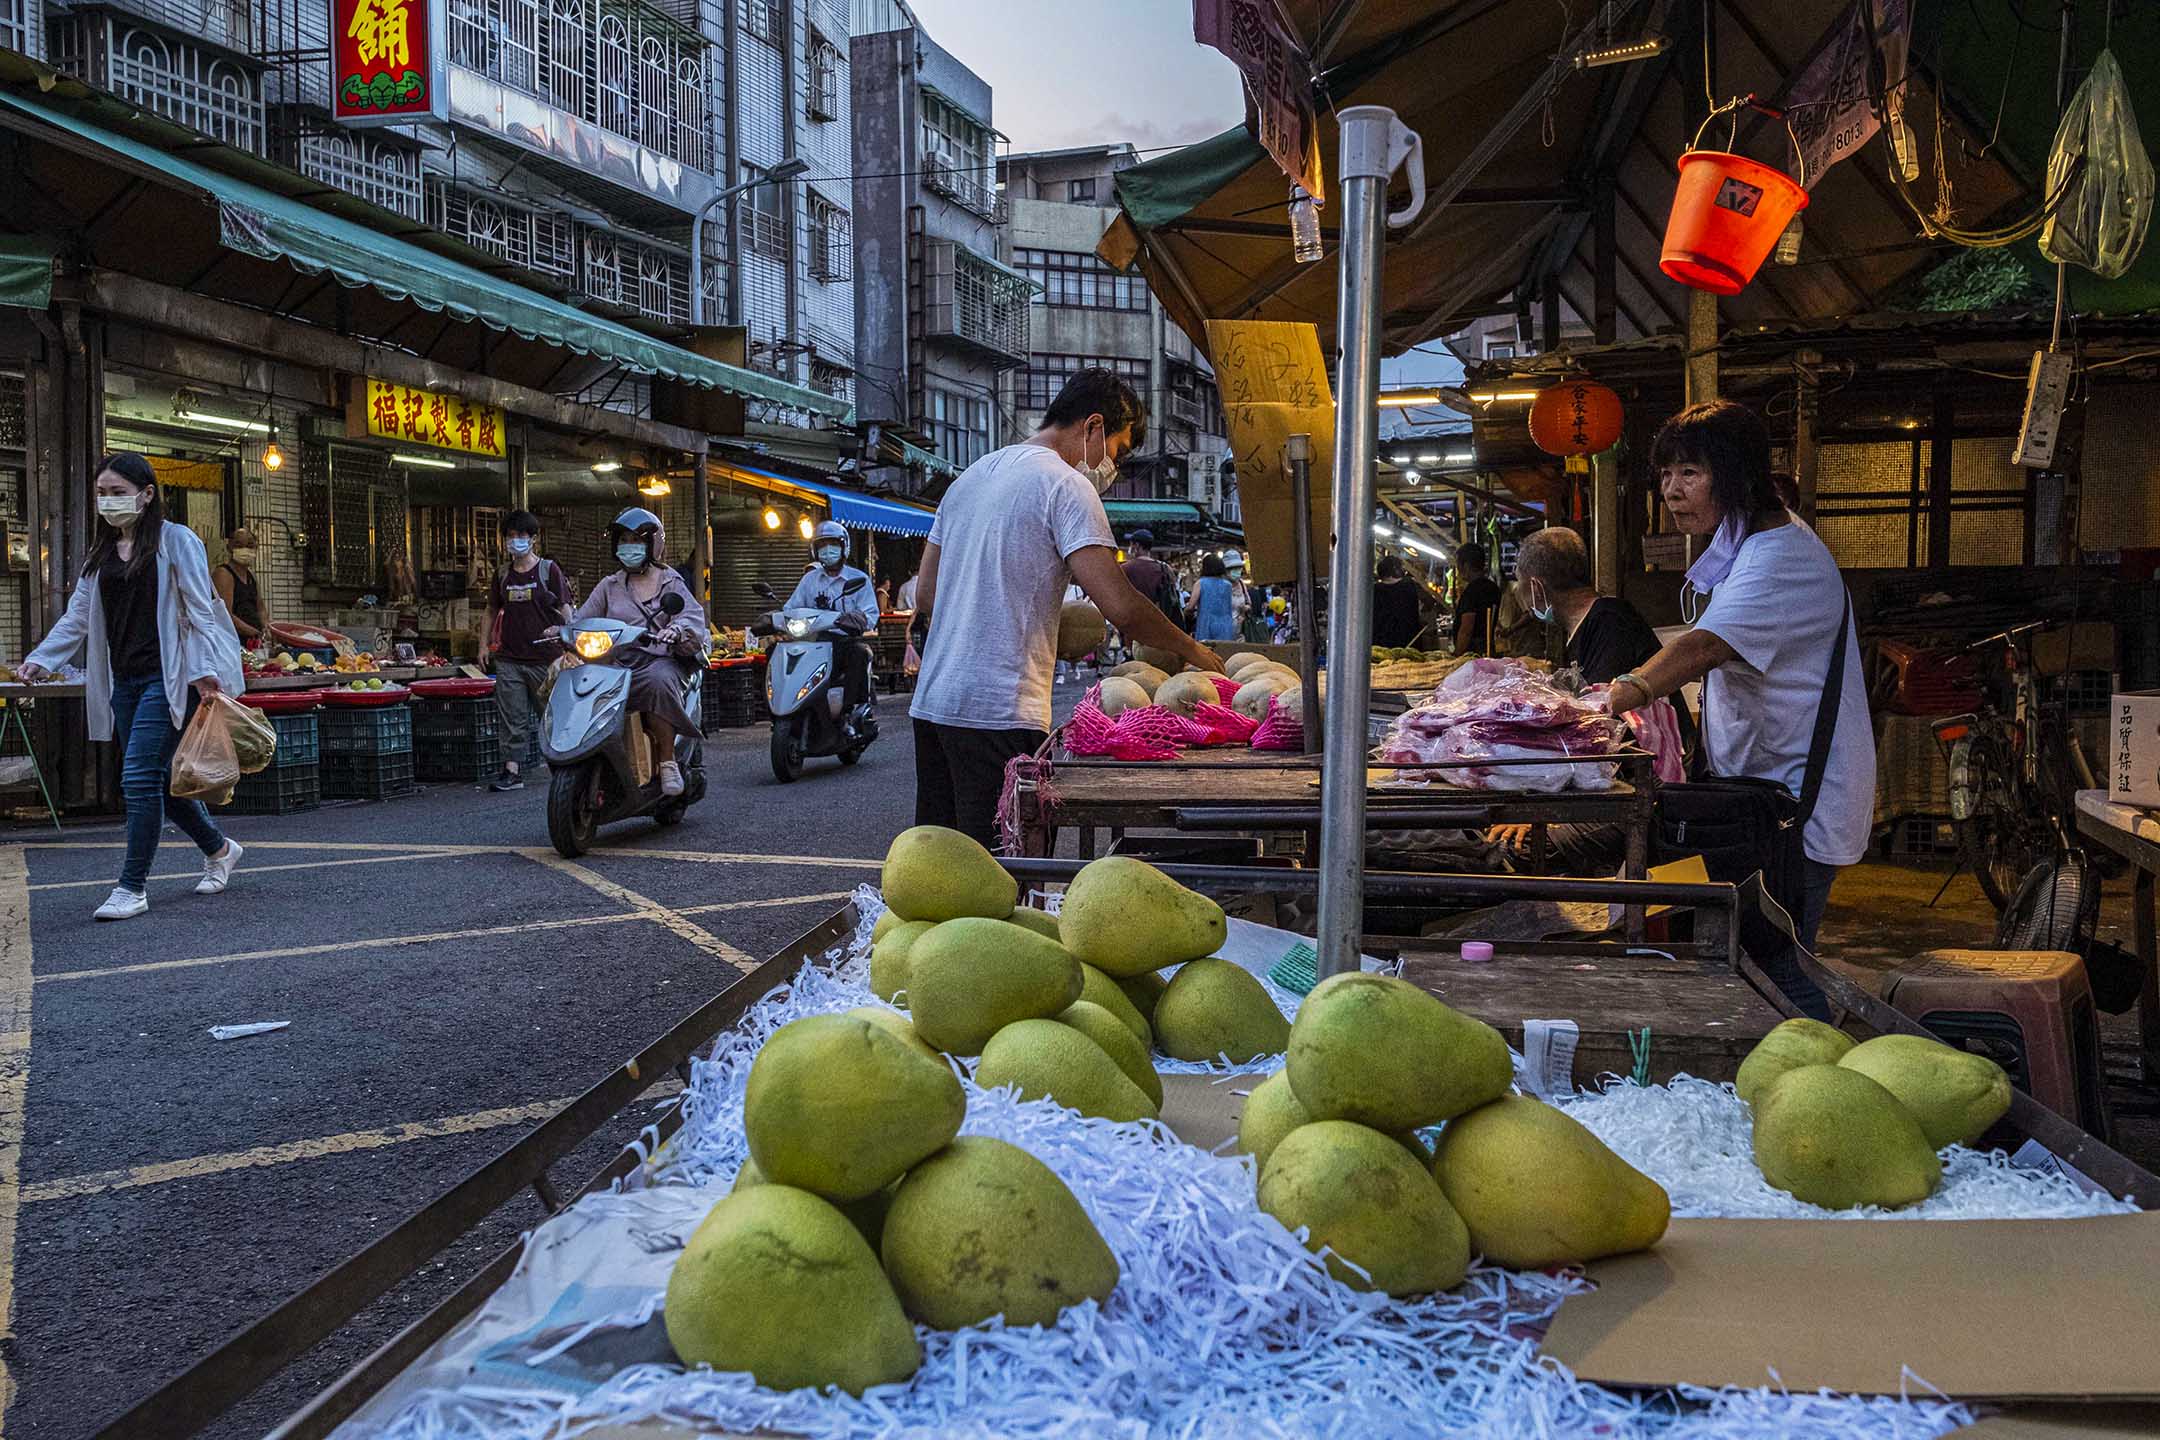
(853, 658)
(960, 774)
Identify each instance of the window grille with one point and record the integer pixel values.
(199, 87)
(975, 303)
(831, 241)
(537, 239)
(1046, 374)
(761, 20)
(823, 96)
(1070, 279)
(362, 165)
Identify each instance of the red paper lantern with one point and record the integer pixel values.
(1577, 417)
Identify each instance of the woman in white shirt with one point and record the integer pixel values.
(1763, 647)
(156, 640)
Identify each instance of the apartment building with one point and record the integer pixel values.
(1085, 313)
(940, 315)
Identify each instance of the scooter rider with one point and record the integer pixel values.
(833, 584)
(660, 663)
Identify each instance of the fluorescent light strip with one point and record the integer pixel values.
(424, 460)
(229, 422)
(1490, 397)
(1406, 399)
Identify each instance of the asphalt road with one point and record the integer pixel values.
(448, 985)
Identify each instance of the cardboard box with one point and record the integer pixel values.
(2133, 773)
(1979, 1309)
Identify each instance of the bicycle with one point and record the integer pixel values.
(2014, 775)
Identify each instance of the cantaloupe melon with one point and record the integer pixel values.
(1080, 630)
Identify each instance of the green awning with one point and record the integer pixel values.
(1172, 186)
(259, 222)
(1155, 512)
(26, 264)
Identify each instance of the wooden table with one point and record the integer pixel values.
(2134, 835)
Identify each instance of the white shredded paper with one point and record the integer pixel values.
(1223, 1326)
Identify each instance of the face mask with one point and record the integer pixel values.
(243, 557)
(121, 509)
(1103, 473)
(829, 557)
(1544, 615)
(521, 546)
(632, 556)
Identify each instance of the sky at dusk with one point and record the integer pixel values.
(1087, 72)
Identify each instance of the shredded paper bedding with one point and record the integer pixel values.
(1222, 1324)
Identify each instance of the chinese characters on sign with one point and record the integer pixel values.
(1278, 82)
(388, 411)
(1831, 111)
(386, 61)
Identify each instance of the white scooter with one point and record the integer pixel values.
(803, 690)
(589, 734)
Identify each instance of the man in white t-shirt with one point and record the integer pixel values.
(1017, 527)
(1763, 647)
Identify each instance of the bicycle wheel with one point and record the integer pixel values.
(2003, 839)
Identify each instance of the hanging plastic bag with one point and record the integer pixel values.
(2100, 169)
(205, 766)
(254, 738)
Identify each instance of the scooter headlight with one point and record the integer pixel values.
(797, 627)
(592, 644)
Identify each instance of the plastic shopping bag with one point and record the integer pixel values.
(254, 738)
(2100, 169)
(206, 766)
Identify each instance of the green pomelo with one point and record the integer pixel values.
(1118, 1042)
(970, 978)
(1796, 1042)
(1099, 989)
(983, 1228)
(1361, 1197)
(1835, 1138)
(1213, 1008)
(899, 1025)
(889, 958)
(1042, 922)
(1537, 1188)
(932, 873)
(1125, 917)
(1955, 1095)
(1044, 1059)
(1382, 1052)
(778, 1284)
(842, 1106)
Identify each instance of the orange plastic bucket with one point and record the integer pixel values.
(1726, 216)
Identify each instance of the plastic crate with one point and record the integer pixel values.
(373, 730)
(299, 739)
(462, 718)
(279, 790)
(1917, 836)
(444, 758)
(366, 777)
(2082, 692)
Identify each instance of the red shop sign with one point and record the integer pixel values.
(387, 62)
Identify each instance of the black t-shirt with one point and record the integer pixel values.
(1612, 640)
(130, 604)
(530, 601)
(1479, 599)
(1395, 613)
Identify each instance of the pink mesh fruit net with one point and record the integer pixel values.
(1280, 731)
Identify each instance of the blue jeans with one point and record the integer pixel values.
(142, 724)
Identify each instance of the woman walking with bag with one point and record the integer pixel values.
(157, 640)
(1784, 705)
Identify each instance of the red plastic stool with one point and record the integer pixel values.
(2030, 1010)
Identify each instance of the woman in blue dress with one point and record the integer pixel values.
(1214, 613)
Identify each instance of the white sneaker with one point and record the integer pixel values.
(671, 781)
(123, 904)
(217, 870)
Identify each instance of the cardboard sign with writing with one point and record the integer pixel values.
(1274, 385)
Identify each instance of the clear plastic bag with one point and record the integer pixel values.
(2100, 168)
(254, 737)
(206, 766)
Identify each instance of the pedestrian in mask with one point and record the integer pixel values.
(529, 598)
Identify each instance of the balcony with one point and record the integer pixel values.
(228, 24)
(206, 89)
(971, 191)
(357, 162)
(528, 236)
(635, 275)
(627, 68)
(976, 304)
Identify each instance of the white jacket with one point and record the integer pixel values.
(195, 636)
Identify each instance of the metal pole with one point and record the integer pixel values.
(1297, 449)
(1373, 143)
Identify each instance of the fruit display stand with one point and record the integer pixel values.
(1471, 1354)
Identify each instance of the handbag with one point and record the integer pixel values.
(1740, 825)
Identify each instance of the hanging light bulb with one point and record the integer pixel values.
(655, 486)
(1305, 226)
(803, 525)
(273, 459)
(772, 518)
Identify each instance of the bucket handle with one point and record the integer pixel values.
(1733, 107)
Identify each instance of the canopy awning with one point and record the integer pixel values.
(259, 222)
(1156, 512)
(851, 508)
(26, 267)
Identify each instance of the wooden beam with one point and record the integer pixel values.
(1604, 260)
(148, 303)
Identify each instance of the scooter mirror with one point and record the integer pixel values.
(767, 593)
(671, 604)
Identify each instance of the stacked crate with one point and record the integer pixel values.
(367, 752)
(293, 780)
(456, 738)
(734, 694)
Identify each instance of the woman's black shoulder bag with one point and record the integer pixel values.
(1741, 825)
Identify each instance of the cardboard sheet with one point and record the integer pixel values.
(2066, 1422)
(1979, 1309)
(1203, 1110)
(1274, 385)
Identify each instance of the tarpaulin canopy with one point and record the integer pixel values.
(1527, 156)
(850, 507)
(26, 266)
(259, 222)
(1155, 512)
